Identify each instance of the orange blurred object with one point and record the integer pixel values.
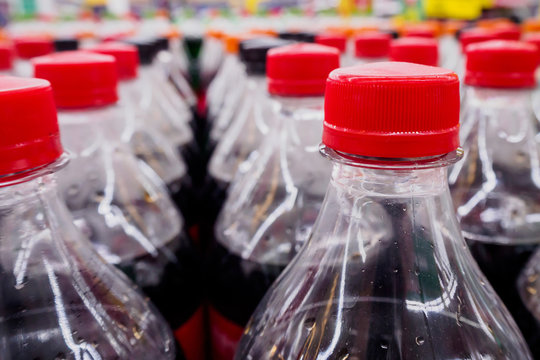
(232, 41)
(531, 25)
(215, 33)
(341, 29)
(263, 31)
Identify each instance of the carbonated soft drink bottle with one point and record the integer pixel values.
(121, 206)
(416, 50)
(495, 188)
(386, 273)
(371, 47)
(144, 135)
(249, 125)
(58, 298)
(272, 207)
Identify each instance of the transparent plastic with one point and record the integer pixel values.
(237, 94)
(210, 59)
(245, 134)
(148, 142)
(386, 274)
(164, 109)
(267, 217)
(450, 53)
(529, 291)
(123, 207)
(495, 188)
(225, 81)
(59, 299)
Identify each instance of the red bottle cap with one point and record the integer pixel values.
(79, 78)
(28, 47)
(127, 57)
(6, 56)
(507, 32)
(372, 45)
(533, 38)
(415, 50)
(419, 31)
(501, 64)
(300, 69)
(392, 110)
(30, 137)
(338, 41)
(475, 35)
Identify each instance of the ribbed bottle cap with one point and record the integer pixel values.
(6, 56)
(338, 41)
(66, 44)
(392, 110)
(127, 57)
(501, 64)
(28, 47)
(253, 53)
(507, 32)
(372, 45)
(30, 136)
(416, 50)
(300, 69)
(79, 79)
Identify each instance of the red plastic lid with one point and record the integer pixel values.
(392, 110)
(127, 57)
(79, 78)
(507, 32)
(415, 50)
(30, 136)
(419, 31)
(501, 64)
(28, 47)
(300, 69)
(338, 41)
(372, 45)
(475, 35)
(6, 56)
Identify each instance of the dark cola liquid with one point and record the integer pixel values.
(36, 323)
(502, 265)
(236, 286)
(171, 279)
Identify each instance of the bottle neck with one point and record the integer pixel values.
(496, 98)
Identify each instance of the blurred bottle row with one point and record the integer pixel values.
(156, 194)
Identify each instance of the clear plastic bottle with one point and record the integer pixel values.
(121, 206)
(495, 188)
(145, 138)
(385, 273)
(416, 50)
(28, 47)
(229, 78)
(251, 122)
(272, 207)
(58, 298)
(371, 47)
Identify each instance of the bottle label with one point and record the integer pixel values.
(224, 334)
(191, 336)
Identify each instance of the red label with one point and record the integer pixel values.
(224, 335)
(191, 336)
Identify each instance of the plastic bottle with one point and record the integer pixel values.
(529, 291)
(28, 47)
(495, 187)
(144, 135)
(250, 123)
(122, 207)
(416, 50)
(385, 273)
(229, 79)
(58, 298)
(371, 47)
(272, 207)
